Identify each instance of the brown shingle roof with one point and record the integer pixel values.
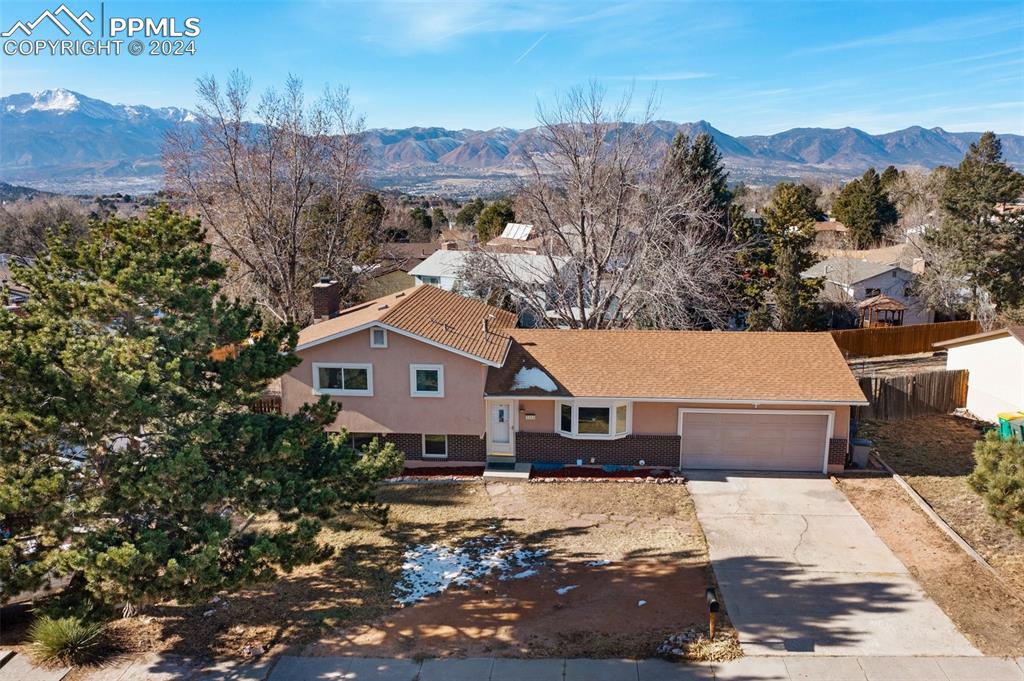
(692, 365)
(428, 312)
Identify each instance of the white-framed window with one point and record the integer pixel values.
(378, 337)
(593, 419)
(426, 380)
(435, 446)
(342, 379)
(427, 279)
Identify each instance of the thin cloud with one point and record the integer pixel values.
(530, 49)
(942, 31)
(664, 77)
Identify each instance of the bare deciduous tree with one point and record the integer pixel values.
(633, 243)
(275, 191)
(25, 224)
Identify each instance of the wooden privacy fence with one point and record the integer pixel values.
(900, 340)
(268, 403)
(900, 397)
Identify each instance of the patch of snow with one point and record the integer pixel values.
(641, 604)
(432, 568)
(562, 590)
(533, 377)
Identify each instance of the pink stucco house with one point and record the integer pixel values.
(447, 378)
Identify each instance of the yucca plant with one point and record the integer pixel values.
(65, 640)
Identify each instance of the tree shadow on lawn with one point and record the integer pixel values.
(782, 605)
(354, 587)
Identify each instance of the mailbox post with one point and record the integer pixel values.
(713, 607)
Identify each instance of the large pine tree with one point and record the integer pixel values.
(988, 243)
(129, 457)
(865, 208)
(772, 259)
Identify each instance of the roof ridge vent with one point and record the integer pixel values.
(383, 307)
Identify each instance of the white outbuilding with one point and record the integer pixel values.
(995, 365)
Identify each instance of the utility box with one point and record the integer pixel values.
(861, 448)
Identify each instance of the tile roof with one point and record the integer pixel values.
(1012, 331)
(847, 270)
(692, 365)
(430, 313)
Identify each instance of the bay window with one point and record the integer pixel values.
(593, 419)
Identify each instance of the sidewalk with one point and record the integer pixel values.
(774, 668)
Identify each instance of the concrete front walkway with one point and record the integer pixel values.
(802, 572)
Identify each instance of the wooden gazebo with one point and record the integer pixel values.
(880, 311)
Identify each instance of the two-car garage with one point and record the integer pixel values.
(733, 439)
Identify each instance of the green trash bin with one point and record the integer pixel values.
(1011, 425)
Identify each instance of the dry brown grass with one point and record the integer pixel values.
(981, 607)
(649, 533)
(723, 648)
(935, 455)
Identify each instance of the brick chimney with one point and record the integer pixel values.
(326, 299)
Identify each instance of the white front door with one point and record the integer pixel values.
(499, 429)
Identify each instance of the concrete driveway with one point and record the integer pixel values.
(802, 572)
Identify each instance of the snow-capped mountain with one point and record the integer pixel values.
(65, 141)
(63, 102)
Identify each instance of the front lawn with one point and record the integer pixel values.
(934, 455)
(597, 569)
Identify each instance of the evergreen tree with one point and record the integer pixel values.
(986, 242)
(699, 163)
(493, 218)
(774, 259)
(128, 452)
(865, 209)
(998, 477)
(421, 219)
(467, 215)
(439, 219)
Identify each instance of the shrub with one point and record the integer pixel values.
(999, 478)
(65, 640)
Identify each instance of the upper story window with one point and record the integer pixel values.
(343, 379)
(426, 380)
(429, 280)
(593, 419)
(378, 338)
(872, 292)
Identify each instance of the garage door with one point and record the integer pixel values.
(757, 442)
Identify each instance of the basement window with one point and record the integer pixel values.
(435, 446)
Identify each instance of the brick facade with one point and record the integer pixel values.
(655, 450)
(838, 447)
(326, 299)
(460, 447)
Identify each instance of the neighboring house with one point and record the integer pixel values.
(448, 269)
(17, 294)
(994, 361)
(851, 281)
(390, 274)
(830, 234)
(446, 378)
(516, 238)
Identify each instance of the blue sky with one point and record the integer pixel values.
(747, 67)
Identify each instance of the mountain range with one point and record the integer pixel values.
(65, 141)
